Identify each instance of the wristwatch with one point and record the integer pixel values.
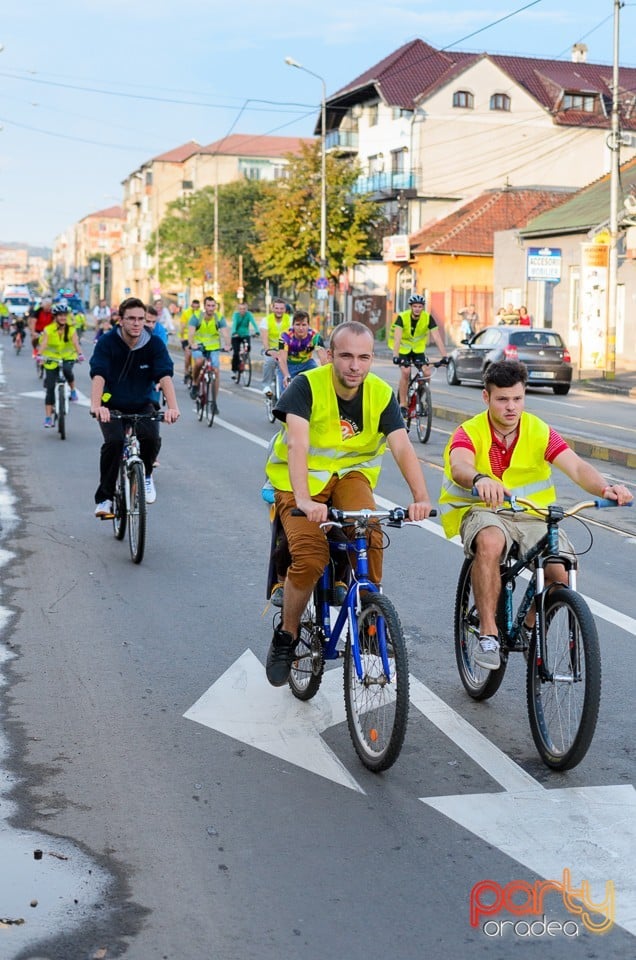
(479, 476)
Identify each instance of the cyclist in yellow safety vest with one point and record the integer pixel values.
(58, 343)
(500, 452)
(78, 321)
(337, 421)
(204, 336)
(409, 336)
(187, 315)
(272, 327)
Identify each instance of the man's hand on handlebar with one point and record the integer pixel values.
(171, 415)
(420, 510)
(491, 492)
(316, 512)
(100, 413)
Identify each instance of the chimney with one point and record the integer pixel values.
(579, 52)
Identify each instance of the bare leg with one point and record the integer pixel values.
(489, 546)
(294, 603)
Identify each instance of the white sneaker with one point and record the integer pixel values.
(268, 392)
(487, 653)
(151, 493)
(104, 510)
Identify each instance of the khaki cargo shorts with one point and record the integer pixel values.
(517, 528)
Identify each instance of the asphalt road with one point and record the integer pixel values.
(261, 836)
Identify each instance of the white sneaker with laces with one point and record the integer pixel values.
(151, 493)
(487, 653)
(267, 391)
(104, 510)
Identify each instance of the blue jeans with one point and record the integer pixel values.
(295, 369)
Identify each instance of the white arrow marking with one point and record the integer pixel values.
(243, 705)
(82, 399)
(591, 830)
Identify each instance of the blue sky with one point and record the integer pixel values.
(65, 151)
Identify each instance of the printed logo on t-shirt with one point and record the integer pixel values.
(348, 427)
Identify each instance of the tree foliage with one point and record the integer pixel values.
(186, 235)
(287, 221)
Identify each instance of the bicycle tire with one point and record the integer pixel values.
(480, 684)
(247, 369)
(308, 665)
(61, 411)
(137, 512)
(563, 713)
(269, 407)
(200, 401)
(210, 402)
(424, 414)
(119, 507)
(377, 709)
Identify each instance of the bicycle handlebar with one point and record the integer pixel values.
(598, 503)
(135, 417)
(395, 515)
(406, 362)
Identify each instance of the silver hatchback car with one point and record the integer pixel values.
(543, 352)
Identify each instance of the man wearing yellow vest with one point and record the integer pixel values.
(272, 327)
(337, 421)
(410, 332)
(204, 334)
(500, 452)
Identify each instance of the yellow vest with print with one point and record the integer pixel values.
(274, 329)
(328, 452)
(56, 347)
(412, 340)
(208, 333)
(529, 474)
(186, 319)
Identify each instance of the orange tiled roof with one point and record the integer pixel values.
(255, 145)
(470, 230)
(179, 154)
(117, 213)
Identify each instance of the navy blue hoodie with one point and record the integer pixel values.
(130, 375)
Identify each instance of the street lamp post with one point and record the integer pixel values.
(323, 163)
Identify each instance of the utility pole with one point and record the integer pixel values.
(612, 272)
(216, 236)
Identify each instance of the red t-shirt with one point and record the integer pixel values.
(500, 455)
(43, 319)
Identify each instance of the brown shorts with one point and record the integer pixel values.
(307, 542)
(518, 528)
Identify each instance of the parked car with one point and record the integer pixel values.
(543, 352)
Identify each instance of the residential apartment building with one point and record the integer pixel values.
(19, 267)
(177, 173)
(82, 255)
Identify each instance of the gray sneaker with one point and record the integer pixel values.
(487, 653)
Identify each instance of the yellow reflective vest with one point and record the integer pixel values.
(274, 329)
(529, 474)
(207, 333)
(57, 348)
(328, 452)
(416, 339)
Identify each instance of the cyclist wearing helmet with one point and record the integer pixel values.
(58, 343)
(410, 332)
(38, 320)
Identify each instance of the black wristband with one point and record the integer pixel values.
(479, 476)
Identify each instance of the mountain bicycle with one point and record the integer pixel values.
(245, 363)
(419, 403)
(61, 397)
(376, 671)
(129, 501)
(563, 680)
(205, 402)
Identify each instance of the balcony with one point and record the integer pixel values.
(385, 183)
(341, 140)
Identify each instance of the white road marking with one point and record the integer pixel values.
(82, 399)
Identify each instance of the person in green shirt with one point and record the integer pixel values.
(242, 322)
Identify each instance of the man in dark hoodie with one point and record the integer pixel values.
(126, 364)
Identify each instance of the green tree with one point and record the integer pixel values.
(288, 221)
(186, 234)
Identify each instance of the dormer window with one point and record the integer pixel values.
(586, 102)
(500, 101)
(463, 99)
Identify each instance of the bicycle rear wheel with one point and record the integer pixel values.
(377, 705)
(210, 403)
(137, 512)
(119, 508)
(308, 664)
(247, 368)
(480, 684)
(424, 414)
(200, 401)
(563, 704)
(60, 402)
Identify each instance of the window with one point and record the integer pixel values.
(373, 115)
(500, 101)
(397, 161)
(398, 112)
(579, 101)
(376, 164)
(463, 98)
(148, 178)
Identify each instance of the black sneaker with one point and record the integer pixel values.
(279, 657)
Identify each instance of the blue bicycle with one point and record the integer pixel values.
(367, 634)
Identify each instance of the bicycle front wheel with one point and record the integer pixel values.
(137, 512)
(60, 400)
(269, 407)
(480, 684)
(119, 508)
(424, 414)
(308, 664)
(210, 403)
(247, 368)
(564, 693)
(377, 704)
